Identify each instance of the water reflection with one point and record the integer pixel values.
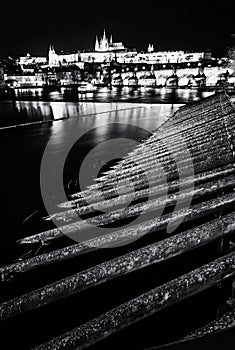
(21, 112)
(39, 105)
(107, 94)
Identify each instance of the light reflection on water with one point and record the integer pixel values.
(21, 112)
(104, 94)
(25, 145)
(36, 105)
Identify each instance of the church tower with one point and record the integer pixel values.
(97, 44)
(52, 57)
(150, 48)
(104, 45)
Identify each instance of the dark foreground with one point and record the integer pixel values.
(171, 273)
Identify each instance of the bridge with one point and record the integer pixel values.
(185, 76)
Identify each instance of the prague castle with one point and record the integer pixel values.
(105, 51)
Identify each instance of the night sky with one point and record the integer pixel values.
(31, 27)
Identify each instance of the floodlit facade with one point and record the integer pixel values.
(103, 44)
(31, 60)
(56, 60)
(25, 80)
(105, 51)
(163, 57)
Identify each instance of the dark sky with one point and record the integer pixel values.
(69, 25)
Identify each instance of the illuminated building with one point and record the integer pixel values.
(105, 51)
(31, 60)
(163, 57)
(150, 48)
(25, 80)
(104, 44)
(56, 60)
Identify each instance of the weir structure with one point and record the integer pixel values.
(196, 257)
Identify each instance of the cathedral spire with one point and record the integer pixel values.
(104, 36)
(150, 48)
(51, 48)
(97, 45)
(104, 43)
(52, 57)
